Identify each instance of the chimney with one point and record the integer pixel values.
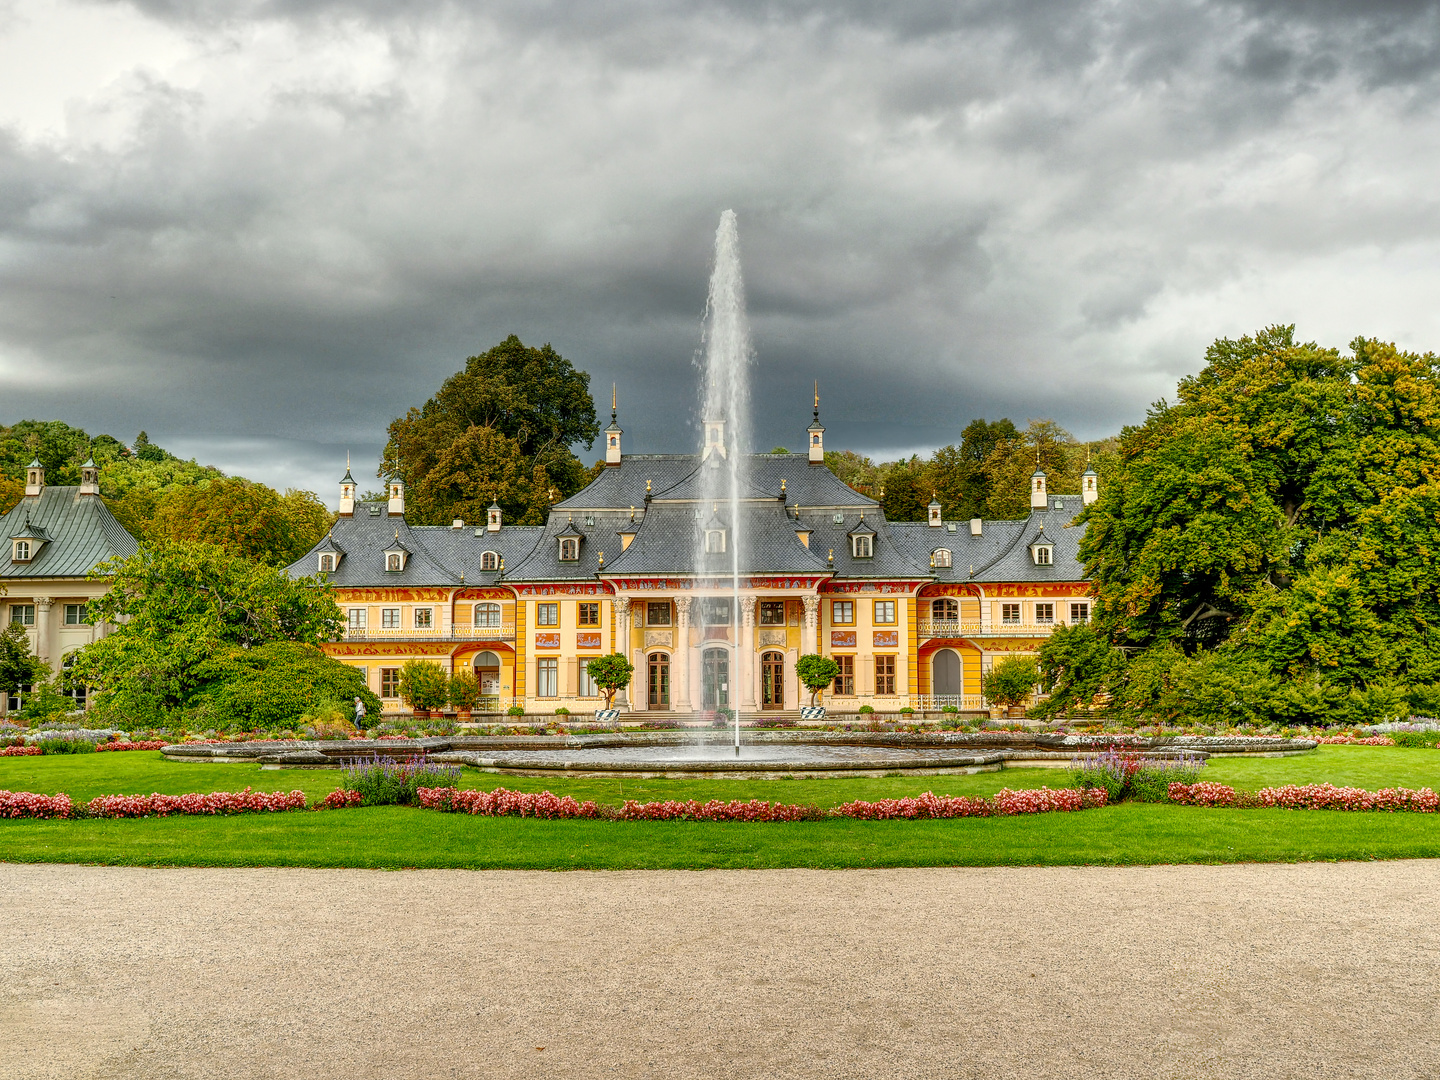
(976, 525)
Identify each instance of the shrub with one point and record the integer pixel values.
(562, 711)
(464, 691)
(424, 686)
(1011, 681)
(1415, 738)
(907, 710)
(515, 710)
(865, 710)
(611, 674)
(61, 745)
(950, 709)
(273, 686)
(387, 782)
(816, 672)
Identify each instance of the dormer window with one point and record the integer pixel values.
(394, 562)
(1042, 554)
(941, 556)
(327, 563)
(714, 541)
(22, 551)
(569, 549)
(490, 560)
(862, 546)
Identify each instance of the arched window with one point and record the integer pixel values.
(1042, 554)
(942, 556)
(392, 562)
(487, 614)
(327, 563)
(945, 610)
(569, 549)
(22, 550)
(862, 546)
(714, 540)
(490, 560)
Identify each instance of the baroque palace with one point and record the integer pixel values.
(912, 612)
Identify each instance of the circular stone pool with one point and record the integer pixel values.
(710, 758)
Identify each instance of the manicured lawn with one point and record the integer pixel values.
(395, 837)
(400, 837)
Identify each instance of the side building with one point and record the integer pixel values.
(55, 536)
(639, 562)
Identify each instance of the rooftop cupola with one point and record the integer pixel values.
(1089, 485)
(492, 517)
(934, 519)
(90, 477)
(714, 438)
(347, 491)
(397, 498)
(34, 478)
(1039, 497)
(613, 433)
(815, 433)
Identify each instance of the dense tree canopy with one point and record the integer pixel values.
(176, 607)
(1283, 512)
(249, 520)
(500, 429)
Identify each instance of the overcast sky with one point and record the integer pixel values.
(261, 230)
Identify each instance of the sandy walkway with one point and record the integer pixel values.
(1267, 971)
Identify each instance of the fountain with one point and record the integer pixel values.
(725, 442)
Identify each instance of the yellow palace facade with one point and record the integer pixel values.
(913, 613)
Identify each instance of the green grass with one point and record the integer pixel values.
(397, 837)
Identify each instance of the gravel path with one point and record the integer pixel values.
(1318, 970)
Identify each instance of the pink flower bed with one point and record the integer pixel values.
(145, 744)
(215, 802)
(25, 804)
(545, 804)
(1354, 740)
(20, 751)
(339, 799)
(1309, 797)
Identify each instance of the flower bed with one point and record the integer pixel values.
(1354, 740)
(1308, 797)
(146, 744)
(25, 804)
(21, 751)
(215, 802)
(545, 804)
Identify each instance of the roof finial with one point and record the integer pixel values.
(817, 399)
(613, 400)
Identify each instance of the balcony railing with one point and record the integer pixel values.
(458, 632)
(950, 628)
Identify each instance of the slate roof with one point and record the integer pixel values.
(1002, 551)
(621, 487)
(667, 540)
(82, 532)
(891, 558)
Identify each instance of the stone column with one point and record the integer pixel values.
(680, 657)
(745, 655)
(43, 635)
(810, 627)
(622, 646)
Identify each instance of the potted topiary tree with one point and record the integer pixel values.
(424, 687)
(610, 674)
(1010, 682)
(464, 694)
(816, 672)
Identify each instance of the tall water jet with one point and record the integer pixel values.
(720, 537)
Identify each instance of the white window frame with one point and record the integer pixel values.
(587, 683)
(327, 563)
(24, 614)
(547, 613)
(1010, 614)
(835, 606)
(942, 557)
(1080, 612)
(883, 613)
(1044, 555)
(80, 613)
(1044, 613)
(714, 541)
(355, 618)
(490, 560)
(394, 563)
(21, 552)
(569, 549)
(423, 618)
(862, 546)
(547, 677)
(486, 615)
(390, 618)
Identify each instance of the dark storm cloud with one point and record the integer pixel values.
(947, 210)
